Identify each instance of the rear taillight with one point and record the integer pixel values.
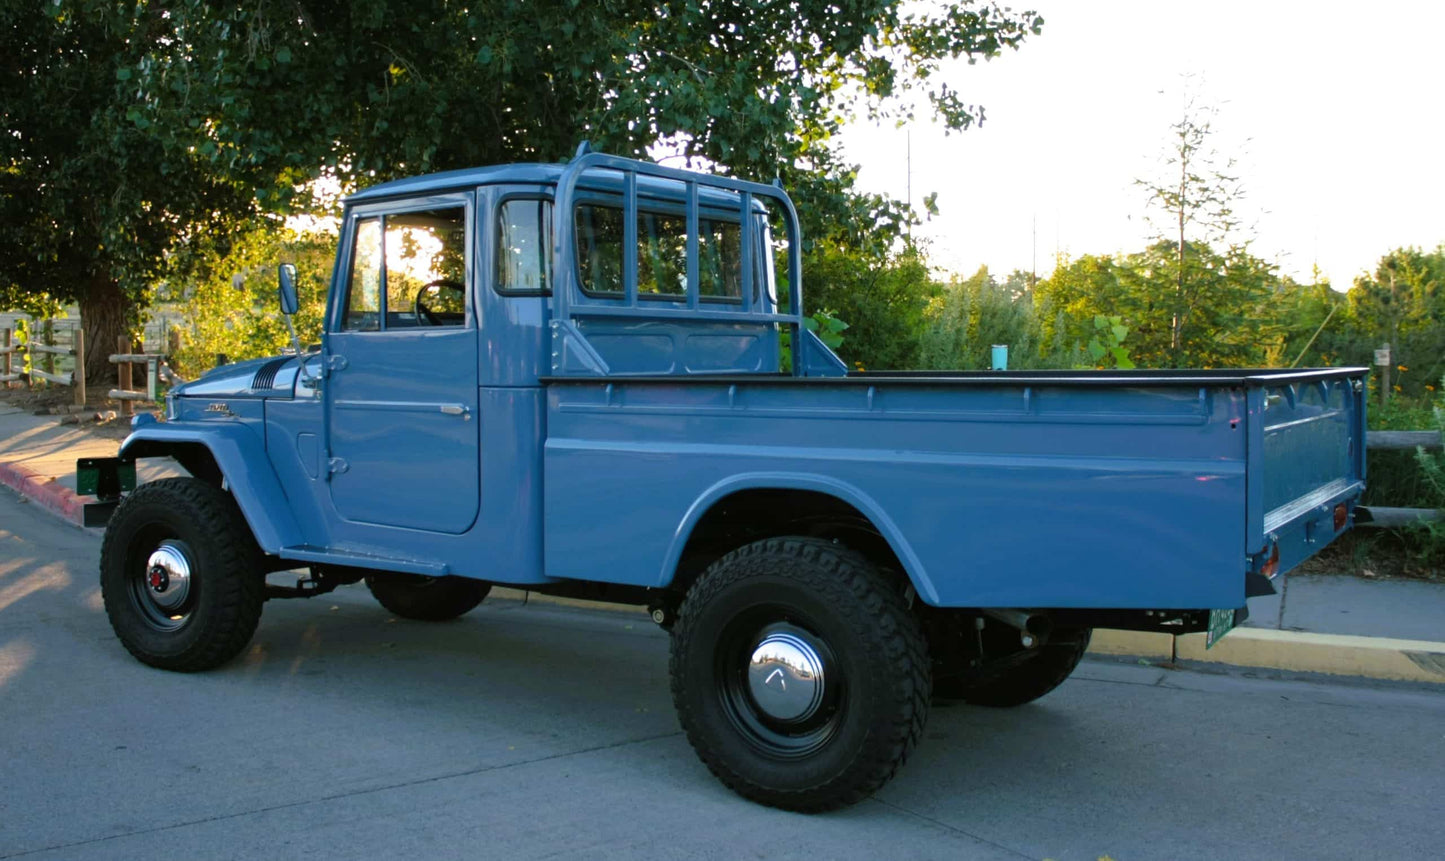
(1342, 516)
(1271, 566)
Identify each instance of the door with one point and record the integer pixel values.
(401, 388)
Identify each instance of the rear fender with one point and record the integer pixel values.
(241, 457)
(840, 490)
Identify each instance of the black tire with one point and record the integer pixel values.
(1021, 676)
(184, 620)
(869, 709)
(426, 599)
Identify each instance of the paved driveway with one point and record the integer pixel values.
(537, 731)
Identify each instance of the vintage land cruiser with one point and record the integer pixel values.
(596, 380)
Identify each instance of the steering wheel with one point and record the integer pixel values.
(425, 313)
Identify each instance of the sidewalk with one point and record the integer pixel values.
(1340, 625)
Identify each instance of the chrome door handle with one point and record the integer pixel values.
(457, 410)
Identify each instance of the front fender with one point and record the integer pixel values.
(841, 490)
(241, 457)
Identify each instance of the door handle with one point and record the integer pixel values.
(457, 410)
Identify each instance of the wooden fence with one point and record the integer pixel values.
(36, 342)
(156, 370)
(1393, 518)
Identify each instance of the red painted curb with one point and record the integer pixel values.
(44, 491)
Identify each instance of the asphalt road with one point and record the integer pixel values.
(536, 731)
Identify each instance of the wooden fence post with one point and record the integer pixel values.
(78, 377)
(122, 343)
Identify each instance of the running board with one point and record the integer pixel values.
(321, 555)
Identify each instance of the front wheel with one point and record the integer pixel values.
(799, 674)
(181, 575)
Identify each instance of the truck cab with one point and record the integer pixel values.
(596, 380)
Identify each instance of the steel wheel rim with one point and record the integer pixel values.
(752, 647)
(163, 584)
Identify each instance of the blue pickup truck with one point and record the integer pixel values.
(596, 380)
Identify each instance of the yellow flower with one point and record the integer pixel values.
(1396, 388)
(1429, 388)
(1401, 368)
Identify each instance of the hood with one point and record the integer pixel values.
(254, 378)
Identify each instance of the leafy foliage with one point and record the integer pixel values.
(883, 296)
(968, 317)
(144, 137)
(232, 308)
(1107, 348)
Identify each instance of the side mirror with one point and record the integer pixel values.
(286, 286)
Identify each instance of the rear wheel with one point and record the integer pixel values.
(799, 674)
(426, 599)
(181, 576)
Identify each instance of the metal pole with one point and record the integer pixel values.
(78, 377)
(8, 366)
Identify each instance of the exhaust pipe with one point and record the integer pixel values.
(1033, 628)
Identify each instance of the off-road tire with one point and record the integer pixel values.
(1024, 682)
(227, 583)
(426, 599)
(879, 664)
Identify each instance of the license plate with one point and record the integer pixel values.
(104, 476)
(1221, 622)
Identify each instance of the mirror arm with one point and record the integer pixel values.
(300, 353)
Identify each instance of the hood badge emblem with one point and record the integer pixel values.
(222, 409)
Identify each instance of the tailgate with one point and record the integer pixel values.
(1306, 454)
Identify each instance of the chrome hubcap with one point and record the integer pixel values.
(168, 576)
(785, 677)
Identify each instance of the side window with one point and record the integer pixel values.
(720, 260)
(363, 298)
(599, 249)
(661, 255)
(524, 246)
(426, 268)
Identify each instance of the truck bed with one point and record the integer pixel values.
(1075, 489)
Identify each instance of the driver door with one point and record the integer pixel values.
(401, 390)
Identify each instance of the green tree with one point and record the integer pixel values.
(1195, 197)
(969, 316)
(139, 129)
(1308, 322)
(229, 302)
(882, 296)
(1222, 323)
(1066, 303)
(1403, 304)
(92, 205)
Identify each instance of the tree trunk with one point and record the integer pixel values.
(103, 311)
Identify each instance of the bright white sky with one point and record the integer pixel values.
(1331, 109)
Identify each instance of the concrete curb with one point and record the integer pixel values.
(1287, 651)
(1333, 654)
(43, 491)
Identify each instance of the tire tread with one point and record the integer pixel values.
(875, 611)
